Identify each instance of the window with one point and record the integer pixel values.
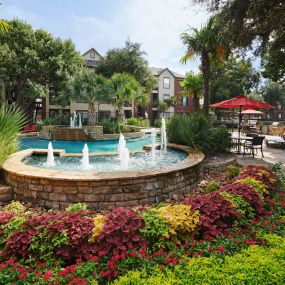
(166, 82)
(104, 114)
(92, 54)
(184, 101)
(166, 97)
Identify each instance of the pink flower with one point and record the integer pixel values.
(221, 249)
(48, 275)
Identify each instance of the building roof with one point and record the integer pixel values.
(92, 49)
(157, 71)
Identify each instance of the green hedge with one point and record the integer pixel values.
(255, 265)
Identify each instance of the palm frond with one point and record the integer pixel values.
(4, 26)
(12, 119)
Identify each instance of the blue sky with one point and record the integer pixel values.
(156, 24)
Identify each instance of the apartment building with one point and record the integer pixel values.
(91, 57)
(168, 86)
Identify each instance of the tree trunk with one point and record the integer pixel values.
(206, 76)
(195, 100)
(91, 115)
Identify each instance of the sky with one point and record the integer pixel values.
(106, 24)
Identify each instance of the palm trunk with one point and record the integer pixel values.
(91, 115)
(195, 101)
(206, 76)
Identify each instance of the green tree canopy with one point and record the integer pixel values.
(126, 90)
(257, 25)
(206, 43)
(232, 78)
(91, 88)
(274, 93)
(34, 57)
(193, 86)
(128, 59)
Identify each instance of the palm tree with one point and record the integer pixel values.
(12, 119)
(4, 26)
(93, 89)
(193, 86)
(207, 43)
(126, 90)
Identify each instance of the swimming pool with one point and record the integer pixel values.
(77, 146)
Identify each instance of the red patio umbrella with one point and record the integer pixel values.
(241, 102)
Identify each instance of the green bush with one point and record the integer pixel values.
(15, 207)
(134, 122)
(192, 130)
(50, 121)
(212, 186)
(221, 140)
(232, 171)
(76, 207)
(11, 121)
(110, 125)
(255, 265)
(155, 228)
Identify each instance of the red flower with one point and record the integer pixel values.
(38, 273)
(142, 253)
(133, 253)
(48, 275)
(221, 249)
(23, 275)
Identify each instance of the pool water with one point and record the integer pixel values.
(77, 146)
(101, 163)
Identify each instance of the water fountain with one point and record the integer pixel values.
(121, 145)
(153, 142)
(50, 156)
(80, 121)
(124, 155)
(85, 159)
(74, 119)
(71, 123)
(163, 138)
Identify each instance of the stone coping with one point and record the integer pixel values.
(15, 165)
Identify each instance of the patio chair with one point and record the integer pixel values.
(254, 145)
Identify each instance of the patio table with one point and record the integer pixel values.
(239, 140)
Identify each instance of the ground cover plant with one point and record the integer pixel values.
(232, 235)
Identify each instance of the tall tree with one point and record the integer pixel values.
(257, 25)
(93, 89)
(206, 43)
(126, 90)
(193, 86)
(274, 93)
(30, 56)
(232, 78)
(129, 59)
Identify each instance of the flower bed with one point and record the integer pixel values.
(231, 228)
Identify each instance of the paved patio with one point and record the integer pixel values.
(272, 155)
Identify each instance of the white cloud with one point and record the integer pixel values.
(157, 24)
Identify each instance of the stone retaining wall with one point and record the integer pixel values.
(57, 189)
(220, 166)
(84, 134)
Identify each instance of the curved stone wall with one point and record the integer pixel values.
(81, 134)
(57, 189)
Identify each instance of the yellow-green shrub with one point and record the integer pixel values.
(98, 222)
(179, 218)
(238, 203)
(255, 265)
(15, 206)
(257, 185)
